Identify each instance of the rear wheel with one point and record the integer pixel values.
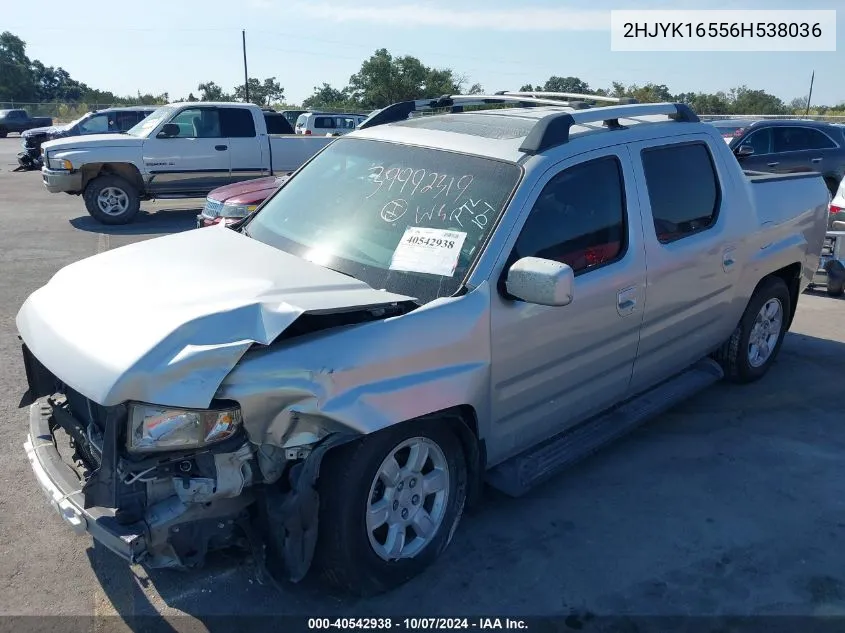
(3, 132)
(756, 341)
(111, 200)
(389, 505)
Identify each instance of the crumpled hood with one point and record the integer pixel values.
(37, 131)
(165, 320)
(88, 141)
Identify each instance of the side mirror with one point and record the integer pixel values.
(541, 281)
(744, 150)
(168, 131)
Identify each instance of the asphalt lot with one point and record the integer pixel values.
(733, 503)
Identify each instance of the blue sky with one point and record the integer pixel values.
(157, 45)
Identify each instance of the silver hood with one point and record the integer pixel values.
(165, 320)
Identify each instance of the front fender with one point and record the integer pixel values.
(364, 378)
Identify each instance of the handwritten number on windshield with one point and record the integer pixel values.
(379, 170)
(422, 181)
(417, 179)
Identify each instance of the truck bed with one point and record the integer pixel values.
(289, 151)
(792, 214)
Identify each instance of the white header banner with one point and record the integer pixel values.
(728, 30)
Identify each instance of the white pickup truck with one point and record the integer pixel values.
(182, 150)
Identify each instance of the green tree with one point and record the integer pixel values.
(261, 93)
(384, 79)
(210, 91)
(566, 84)
(16, 79)
(705, 103)
(327, 97)
(476, 89)
(747, 101)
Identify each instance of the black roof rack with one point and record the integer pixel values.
(553, 130)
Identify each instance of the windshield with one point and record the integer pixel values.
(409, 220)
(144, 127)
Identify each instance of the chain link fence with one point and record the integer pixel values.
(66, 112)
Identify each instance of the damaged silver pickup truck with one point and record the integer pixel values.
(430, 303)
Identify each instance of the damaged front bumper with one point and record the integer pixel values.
(276, 521)
(64, 492)
(169, 520)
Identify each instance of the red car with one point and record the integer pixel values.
(230, 203)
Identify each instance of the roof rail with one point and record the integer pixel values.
(400, 111)
(553, 130)
(570, 95)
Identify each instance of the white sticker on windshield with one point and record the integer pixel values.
(432, 251)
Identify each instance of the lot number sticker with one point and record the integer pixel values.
(432, 251)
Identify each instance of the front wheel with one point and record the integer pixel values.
(756, 341)
(3, 132)
(389, 505)
(111, 200)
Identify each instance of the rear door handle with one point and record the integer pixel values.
(815, 160)
(728, 259)
(626, 301)
(221, 148)
(772, 164)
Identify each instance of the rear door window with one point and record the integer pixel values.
(798, 139)
(820, 140)
(237, 123)
(683, 189)
(125, 120)
(277, 124)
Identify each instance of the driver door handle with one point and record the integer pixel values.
(221, 148)
(772, 164)
(815, 160)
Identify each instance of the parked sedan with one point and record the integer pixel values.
(234, 202)
(790, 146)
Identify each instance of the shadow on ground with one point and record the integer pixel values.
(819, 291)
(688, 501)
(145, 223)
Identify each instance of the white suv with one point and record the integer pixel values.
(322, 123)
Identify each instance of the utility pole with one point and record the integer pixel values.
(246, 75)
(810, 96)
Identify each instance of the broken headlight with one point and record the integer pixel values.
(153, 428)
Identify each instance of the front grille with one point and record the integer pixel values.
(212, 208)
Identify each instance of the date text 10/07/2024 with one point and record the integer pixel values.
(417, 624)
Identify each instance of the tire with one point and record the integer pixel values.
(126, 200)
(3, 132)
(345, 557)
(734, 355)
(835, 278)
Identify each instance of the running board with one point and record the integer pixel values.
(522, 472)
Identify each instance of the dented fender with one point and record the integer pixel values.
(366, 377)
